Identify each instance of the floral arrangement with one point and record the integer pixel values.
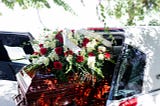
(57, 58)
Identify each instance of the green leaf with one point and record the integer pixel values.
(69, 68)
(99, 72)
(47, 5)
(64, 5)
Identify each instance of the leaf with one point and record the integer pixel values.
(69, 68)
(47, 4)
(99, 72)
(64, 5)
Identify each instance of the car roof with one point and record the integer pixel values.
(14, 38)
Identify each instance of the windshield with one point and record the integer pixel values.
(129, 72)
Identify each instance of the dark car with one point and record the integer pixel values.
(12, 44)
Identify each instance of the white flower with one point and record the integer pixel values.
(69, 58)
(91, 45)
(43, 60)
(34, 60)
(46, 61)
(46, 44)
(101, 57)
(56, 57)
(101, 48)
(51, 36)
(94, 42)
(51, 44)
(91, 62)
(53, 56)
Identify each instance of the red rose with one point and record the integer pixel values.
(59, 37)
(40, 45)
(43, 51)
(73, 31)
(57, 65)
(85, 41)
(107, 55)
(69, 52)
(58, 50)
(91, 54)
(79, 59)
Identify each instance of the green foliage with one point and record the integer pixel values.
(131, 10)
(25, 4)
(154, 22)
(64, 5)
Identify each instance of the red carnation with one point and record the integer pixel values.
(69, 52)
(79, 59)
(85, 41)
(43, 51)
(58, 50)
(57, 65)
(107, 55)
(59, 37)
(91, 54)
(40, 45)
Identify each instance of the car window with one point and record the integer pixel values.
(129, 73)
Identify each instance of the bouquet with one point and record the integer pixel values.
(70, 52)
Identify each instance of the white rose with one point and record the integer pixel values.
(43, 60)
(101, 57)
(52, 44)
(94, 42)
(91, 62)
(90, 46)
(101, 48)
(46, 44)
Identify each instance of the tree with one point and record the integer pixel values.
(131, 10)
(37, 4)
(154, 22)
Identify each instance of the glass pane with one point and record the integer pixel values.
(129, 78)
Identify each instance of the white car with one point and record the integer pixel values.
(136, 75)
(136, 78)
